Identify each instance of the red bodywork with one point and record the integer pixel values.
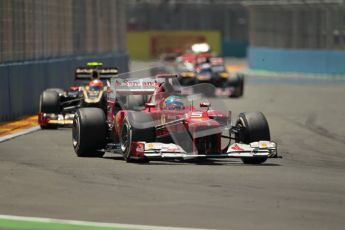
(193, 120)
(197, 58)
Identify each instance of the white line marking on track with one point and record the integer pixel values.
(14, 135)
(90, 223)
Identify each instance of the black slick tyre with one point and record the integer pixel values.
(58, 90)
(186, 81)
(137, 126)
(238, 83)
(254, 127)
(240, 88)
(89, 132)
(49, 103)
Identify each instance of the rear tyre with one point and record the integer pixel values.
(58, 90)
(136, 126)
(89, 132)
(49, 103)
(187, 81)
(241, 85)
(254, 127)
(136, 102)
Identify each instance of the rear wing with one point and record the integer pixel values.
(145, 86)
(103, 72)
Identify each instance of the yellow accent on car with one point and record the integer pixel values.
(187, 74)
(263, 145)
(94, 63)
(203, 78)
(224, 75)
(149, 146)
(60, 122)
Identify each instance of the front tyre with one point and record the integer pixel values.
(253, 127)
(89, 132)
(126, 140)
(137, 126)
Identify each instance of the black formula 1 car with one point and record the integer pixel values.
(57, 106)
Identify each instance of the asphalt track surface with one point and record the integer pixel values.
(41, 176)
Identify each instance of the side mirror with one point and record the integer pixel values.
(205, 104)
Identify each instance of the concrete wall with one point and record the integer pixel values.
(23, 82)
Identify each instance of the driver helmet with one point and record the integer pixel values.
(173, 103)
(96, 84)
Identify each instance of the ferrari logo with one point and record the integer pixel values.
(236, 147)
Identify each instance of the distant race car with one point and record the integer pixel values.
(199, 65)
(164, 123)
(185, 61)
(57, 107)
(215, 73)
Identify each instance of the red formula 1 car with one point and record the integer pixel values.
(153, 119)
(57, 106)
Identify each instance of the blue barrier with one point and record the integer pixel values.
(304, 61)
(4, 94)
(233, 48)
(21, 83)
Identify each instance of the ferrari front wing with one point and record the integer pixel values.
(159, 151)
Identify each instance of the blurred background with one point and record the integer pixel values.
(41, 42)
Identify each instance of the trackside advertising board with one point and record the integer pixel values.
(150, 44)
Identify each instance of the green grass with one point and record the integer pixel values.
(54, 225)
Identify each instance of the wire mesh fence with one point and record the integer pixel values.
(35, 29)
(295, 24)
(319, 26)
(230, 19)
